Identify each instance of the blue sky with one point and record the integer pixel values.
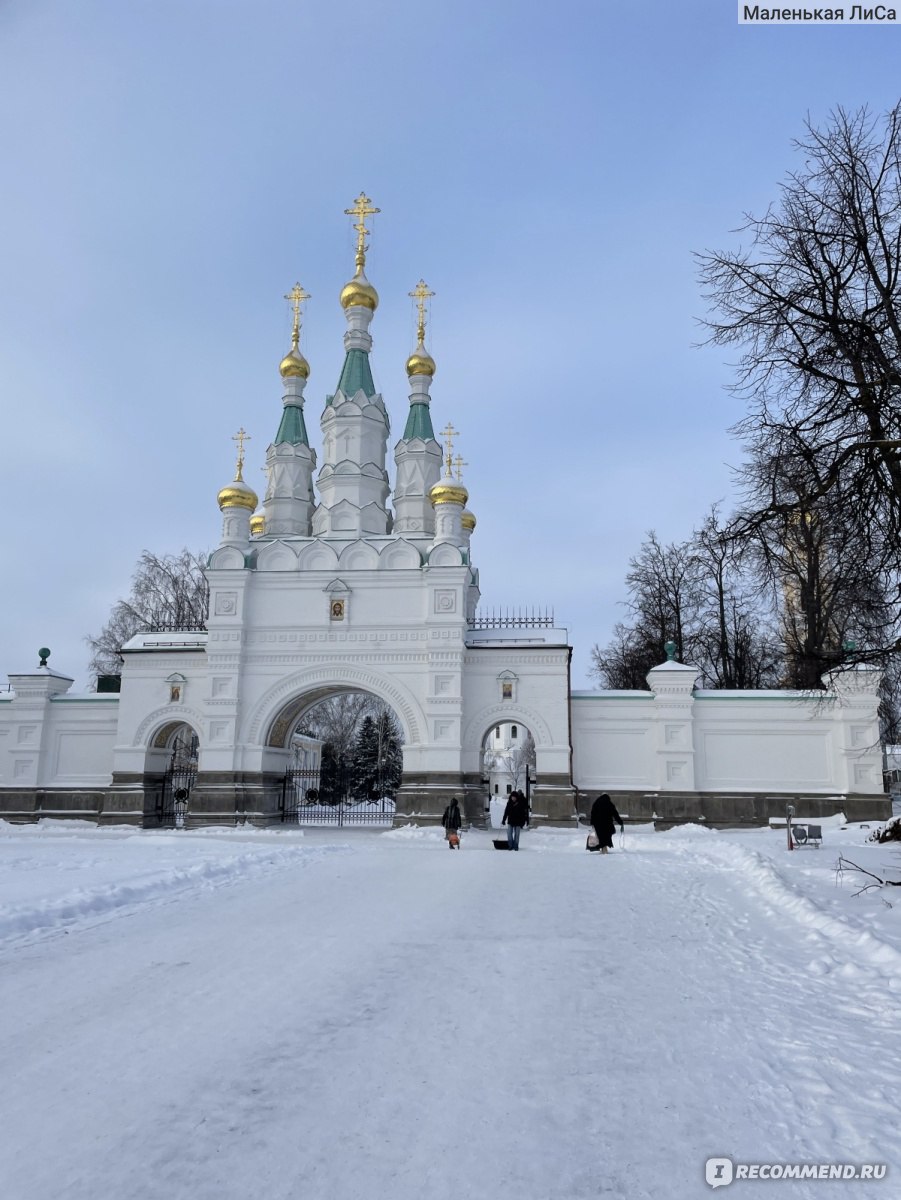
(171, 168)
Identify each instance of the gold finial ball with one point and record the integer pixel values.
(448, 492)
(294, 366)
(468, 520)
(258, 524)
(359, 293)
(238, 495)
(420, 362)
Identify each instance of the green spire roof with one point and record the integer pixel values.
(356, 375)
(292, 428)
(419, 424)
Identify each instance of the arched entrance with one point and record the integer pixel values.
(170, 774)
(508, 765)
(346, 759)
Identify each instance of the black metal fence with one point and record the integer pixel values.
(172, 806)
(311, 797)
(520, 619)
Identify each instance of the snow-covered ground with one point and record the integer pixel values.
(334, 1014)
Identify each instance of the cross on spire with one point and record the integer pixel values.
(449, 433)
(297, 296)
(459, 464)
(420, 294)
(361, 209)
(240, 437)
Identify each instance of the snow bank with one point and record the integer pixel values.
(786, 897)
(151, 874)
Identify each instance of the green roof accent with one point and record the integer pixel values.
(419, 424)
(292, 428)
(356, 374)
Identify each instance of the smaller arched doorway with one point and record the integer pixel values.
(508, 765)
(170, 774)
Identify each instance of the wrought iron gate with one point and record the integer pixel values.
(180, 777)
(314, 797)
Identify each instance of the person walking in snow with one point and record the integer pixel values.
(516, 815)
(605, 818)
(452, 820)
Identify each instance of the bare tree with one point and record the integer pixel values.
(337, 720)
(663, 598)
(815, 307)
(734, 643)
(168, 591)
(701, 595)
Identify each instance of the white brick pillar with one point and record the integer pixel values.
(673, 686)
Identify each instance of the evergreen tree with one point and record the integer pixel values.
(331, 776)
(377, 758)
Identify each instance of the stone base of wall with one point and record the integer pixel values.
(722, 810)
(64, 804)
(422, 799)
(236, 799)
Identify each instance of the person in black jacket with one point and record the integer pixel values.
(605, 818)
(516, 814)
(452, 820)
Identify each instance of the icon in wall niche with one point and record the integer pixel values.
(336, 610)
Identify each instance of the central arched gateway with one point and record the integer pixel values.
(346, 763)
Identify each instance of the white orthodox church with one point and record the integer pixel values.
(342, 583)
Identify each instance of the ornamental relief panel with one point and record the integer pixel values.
(226, 604)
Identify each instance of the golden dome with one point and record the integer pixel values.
(359, 292)
(448, 492)
(258, 524)
(468, 520)
(294, 365)
(238, 495)
(420, 362)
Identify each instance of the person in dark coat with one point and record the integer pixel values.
(452, 820)
(516, 815)
(605, 818)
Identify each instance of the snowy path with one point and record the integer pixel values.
(397, 1021)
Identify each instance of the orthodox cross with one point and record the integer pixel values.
(361, 209)
(449, 433)
(420, 294)
(459, 464)
(297, 296)
(240, 437)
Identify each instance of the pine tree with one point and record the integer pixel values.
(377, 758)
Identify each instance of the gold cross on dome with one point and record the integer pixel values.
(449, 433)
(240, 437)
(297, 296)
(420, 294)
(459, 464)
(361, 209)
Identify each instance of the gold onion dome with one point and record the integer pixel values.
(359, 292)
(258, 524)
(294, 365)
(448, 492)
(468, 520)
(238, 495)
(420, 362)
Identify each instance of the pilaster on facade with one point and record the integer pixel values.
(28, 726)
(227, 649)
(857, 745)
(673, 686)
